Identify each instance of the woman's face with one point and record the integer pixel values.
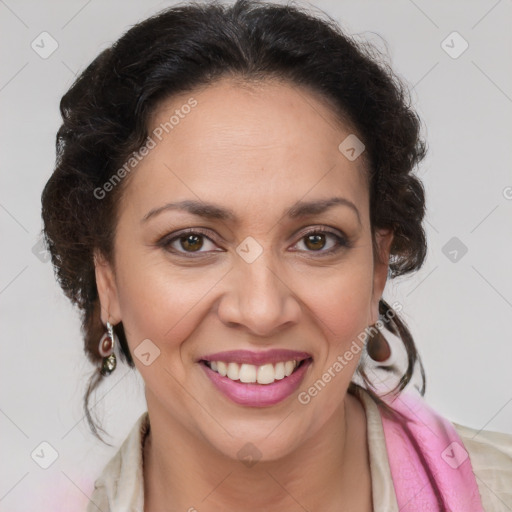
(279, 266)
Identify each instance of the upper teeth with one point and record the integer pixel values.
(265, 374)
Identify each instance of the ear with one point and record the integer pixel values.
(107, 290)
(383, 238)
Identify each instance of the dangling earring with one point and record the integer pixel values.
(106, 350)
(378, 348)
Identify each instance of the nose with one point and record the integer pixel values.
(259, 300)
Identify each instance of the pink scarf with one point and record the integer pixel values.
(430, 467)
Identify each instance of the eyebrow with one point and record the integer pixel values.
(212, 211)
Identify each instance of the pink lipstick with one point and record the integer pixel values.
(256, 379)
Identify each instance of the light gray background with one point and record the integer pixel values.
(459, 312)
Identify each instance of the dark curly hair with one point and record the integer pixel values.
(105, 120)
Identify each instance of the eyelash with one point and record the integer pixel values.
(165, 242)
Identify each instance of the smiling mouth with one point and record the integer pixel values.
(253, 374)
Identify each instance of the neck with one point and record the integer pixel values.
(330, 471)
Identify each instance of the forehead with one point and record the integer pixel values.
(246, 142)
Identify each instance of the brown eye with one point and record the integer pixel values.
(188, 242)
(315, 241)
(191, 243)
(322, 242)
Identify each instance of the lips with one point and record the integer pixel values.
(256, 379)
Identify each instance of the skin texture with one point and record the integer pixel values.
(256, 149)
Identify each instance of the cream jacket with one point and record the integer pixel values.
(120, 487)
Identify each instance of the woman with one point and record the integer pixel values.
(233, 187)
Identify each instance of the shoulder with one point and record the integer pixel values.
(120, 486)
(490, 454)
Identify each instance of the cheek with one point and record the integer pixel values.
(341, 299)
(341, 308)
(161, 302)
(163, 305)
(154, 303)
